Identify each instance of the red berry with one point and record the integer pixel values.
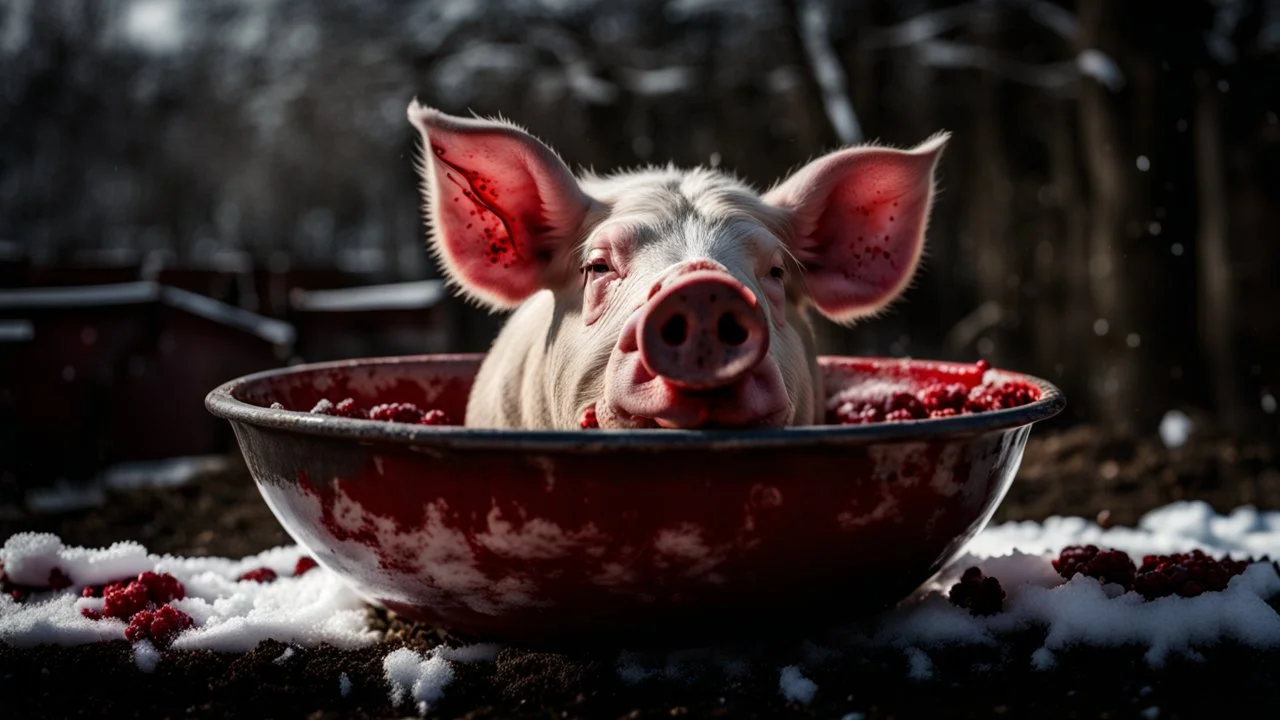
(161, 626)
(91, 613)
(162, 587)
(943, 396)
(904, 402)
(435, 417)
(1107, 566)
(123, 601)
(167, 622)
(977, 593)
(396, 412)
(58, 580)
(126, 602)
(259, 575)
(982, 365)
(1186, 574)
(589, 419)
(943, 413)
(999, 397)
(348, 409)
(304, 564)
(899, 416)
(91, 591)
(139, 626)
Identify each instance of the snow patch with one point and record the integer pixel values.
(480, 652)
(344, 685)
(170, 472)
(155, 25)
(64, 496)
(1076, 612)
(1175, 428)
(146, 656)
(919, 666)
(796, 687)
(412, 676)
(230, 615)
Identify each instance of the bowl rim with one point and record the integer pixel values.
(222, 403)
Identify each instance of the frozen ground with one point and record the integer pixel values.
(314, 609)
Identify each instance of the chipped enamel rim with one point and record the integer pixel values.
(222, 403)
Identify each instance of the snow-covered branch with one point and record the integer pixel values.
(828, 71)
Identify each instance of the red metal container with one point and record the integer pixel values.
(549, 537)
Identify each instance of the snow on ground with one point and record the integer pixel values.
(1076, 612)
(64, 495)
(315, 607)
(230, 615)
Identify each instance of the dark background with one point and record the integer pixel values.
(1109, 216)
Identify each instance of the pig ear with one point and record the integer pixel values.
(858, 218)
(504, 212)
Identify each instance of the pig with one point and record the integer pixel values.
(662, 297)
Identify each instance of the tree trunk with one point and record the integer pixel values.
(1115, 377)
(1214, 277)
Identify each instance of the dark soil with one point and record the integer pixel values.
(1073, 472)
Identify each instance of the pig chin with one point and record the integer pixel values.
(634, 397)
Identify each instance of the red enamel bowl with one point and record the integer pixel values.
(559, 536)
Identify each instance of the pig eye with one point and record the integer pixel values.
(596, 267)
(776, 273)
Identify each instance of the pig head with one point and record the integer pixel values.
(662, 297)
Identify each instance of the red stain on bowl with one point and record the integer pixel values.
(548, 536)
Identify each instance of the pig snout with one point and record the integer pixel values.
(704, 330)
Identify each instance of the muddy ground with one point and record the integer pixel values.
(1077, 471)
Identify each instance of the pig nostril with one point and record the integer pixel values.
(675, 330)
(730, 331)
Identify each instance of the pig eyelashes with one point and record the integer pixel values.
(594, 268)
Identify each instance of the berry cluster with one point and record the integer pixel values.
(385, 412)
(1106, 566)
(589, 420)
(258, 575)
(144, 603)
(304, 564)
(977, 593)
(1185, 574)
(161, 625)
(935, 400)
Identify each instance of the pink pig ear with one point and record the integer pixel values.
(858, 222)
(504, 211)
